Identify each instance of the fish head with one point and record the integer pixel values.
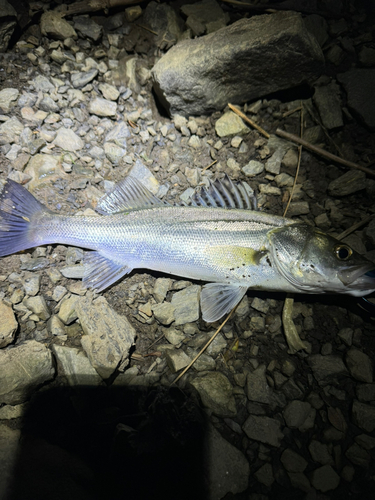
(315, 262)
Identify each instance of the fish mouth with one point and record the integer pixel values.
(358, 277)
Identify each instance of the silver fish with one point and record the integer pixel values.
(219, 240)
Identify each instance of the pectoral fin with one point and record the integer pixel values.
(100, 272)
(218, 299)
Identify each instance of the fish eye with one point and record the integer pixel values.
(343, 252)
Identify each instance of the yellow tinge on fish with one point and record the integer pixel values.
(219, 239)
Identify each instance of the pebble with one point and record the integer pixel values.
(8, 325)
(176, 360)
(325, 478)
(38, 306)
(264, 429)
(76, 367)
(186, 305)
(102, 107)
(359, 365)
(253, 168)
(230, 124)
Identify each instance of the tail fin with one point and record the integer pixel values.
(18, 208)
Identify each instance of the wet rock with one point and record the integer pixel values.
(359, 85)
(296, 413)
(327, 100)
(76, 366)
(102, 107)
(233, 71)
(258, 389)
(8, 325)
(325, 478)
(349, 183)
(176, 359)
(22, 370)
(227, 470)
(359, 365)
(186, 305)
(264, 429)
(326, 367)
(216, 393)
(53, 25)
(292, 461)
(108, 336)
(7, 98)
(363, 416)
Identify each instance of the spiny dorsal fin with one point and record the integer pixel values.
(225, 194)
(129, 194)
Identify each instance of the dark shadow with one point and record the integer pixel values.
(110, 443)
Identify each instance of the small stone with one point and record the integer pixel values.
(161, 288)
(7, 98)
(174, 336)
(292, 461)
(186, 305)
(253, 168)
(296, 413)
(68, 140)
(38, 306)
(320, 453)
(236, 141)
(258, 390)
(358, 456)
(76, 366)
(265, 475)
(359, 365)
(67, 312)
(216, 393)
(102, 107)
(325, 478)
(31, 284)
(264, 429)
(326, 367)
(56, 326)
(164, 313)
(366, 392)
(273, 164)
(8, 325)
(363, 416)
(83, 78)
(230, 123)
(176, 359)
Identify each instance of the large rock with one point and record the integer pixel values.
(22, 369)
(202, 75)
(8, 325)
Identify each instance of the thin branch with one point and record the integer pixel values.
(323, 152)
(248, 120)
(354, 227)
(204, 347)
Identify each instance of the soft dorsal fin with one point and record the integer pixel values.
(225, 194)
(129, 194)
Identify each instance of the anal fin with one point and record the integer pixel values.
(101, 272)
(218, 299)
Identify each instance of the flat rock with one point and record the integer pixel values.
(68, 140)
(200, 76)
(296, 413)
(227, 470)
(43, 166)
(186, 305)
(176, 359)
(359, 365)
(10, 129)
(22, 369)
(76, 366)
(88, 28)
(292, 461)
(108, 336)
(102, 107)
(7, 98)
(363, 416)
(8, 325)
(359, 84)
(327, 100)
(83, 77)
(216, 393)
(325, 478)
(326, 367)
(264, 429)
(258, 389)
(53, 25)
(348, 183)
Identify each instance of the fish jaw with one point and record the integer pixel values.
(361, 280)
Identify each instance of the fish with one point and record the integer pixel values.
(220, 238)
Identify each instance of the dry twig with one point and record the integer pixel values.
(322, 152)
(248, 120)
